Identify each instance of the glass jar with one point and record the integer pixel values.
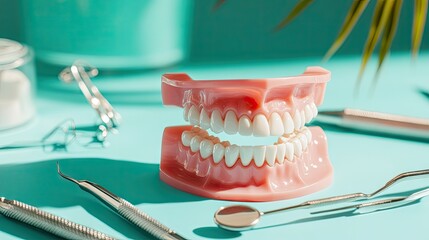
(17, 84)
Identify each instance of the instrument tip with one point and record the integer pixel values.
(65, 176)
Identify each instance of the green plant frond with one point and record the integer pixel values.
(381, 15)
(420, 10)
(356, 10)
(299, 7)
(218, 4)
(389, 32)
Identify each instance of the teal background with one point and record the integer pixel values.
(236, 41)
(243, 29)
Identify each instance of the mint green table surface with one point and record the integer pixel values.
(129, 165)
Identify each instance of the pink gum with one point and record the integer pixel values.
(246, 96)
(187, 171)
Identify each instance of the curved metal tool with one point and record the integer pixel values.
(239, 217)
(82, 73)
(125, 209)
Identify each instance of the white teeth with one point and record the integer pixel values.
(314, 109)
(245, 127)
(204, 119)
(304, 141)
(231, 123)
(289, 151)
(287, 123)
(231, 155)
(259, 155)
(270, 154)
(218, 152)
(297, 147)
(187, 137)
(308, 113)
(281, 148)
(307, 133)
(195, 143)
(186, 112)
(297, 120)
(216, 122)
(276, 125)
(194, 115)
(260, 126)
(302, 119)
(206, 148)
(246, 155)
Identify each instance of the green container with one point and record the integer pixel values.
(108, 34)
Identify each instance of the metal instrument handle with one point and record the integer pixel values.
(51, 223)
(145, 222)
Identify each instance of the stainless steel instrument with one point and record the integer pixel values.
(377, 122)
(240, 217)
(46, 221)
(125, 209)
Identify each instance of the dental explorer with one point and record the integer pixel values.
(125, 209)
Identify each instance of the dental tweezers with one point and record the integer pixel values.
(125, 209)
(46, 221)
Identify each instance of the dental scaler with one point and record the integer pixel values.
(125, 209)
(200, 163)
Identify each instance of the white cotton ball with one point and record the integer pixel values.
(16, 100)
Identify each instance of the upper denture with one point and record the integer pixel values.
(259, 107)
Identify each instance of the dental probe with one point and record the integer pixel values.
(240, 217)
(51, 223)
(126, 209)
(377, 122)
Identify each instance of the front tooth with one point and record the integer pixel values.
(297, 147)
(231, 155)
(246, 155)
(216, 122)
(260, 126)
(218, 152)
(259, 155)
(270, 154)
(304, 141)
(276, 125)
(297, 120)
(231, 123)
(289, 151)
(195, 143)
(281, 150)
(308, 114)
(287, 123)
(307, 133)
(245, 127)
(186, 112)
(187, 137)
(194, 115)
(206, 148)
(314, 109)
(204, 119)
(302, 119)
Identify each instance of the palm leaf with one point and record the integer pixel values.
(352, 17)
(218, 4)
(299, 7)
(381, 15)
(389, 33)
(420, 10)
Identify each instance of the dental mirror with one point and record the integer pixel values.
(237, 217)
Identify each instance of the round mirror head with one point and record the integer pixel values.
(237, 217)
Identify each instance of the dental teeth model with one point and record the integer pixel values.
(195, 161)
